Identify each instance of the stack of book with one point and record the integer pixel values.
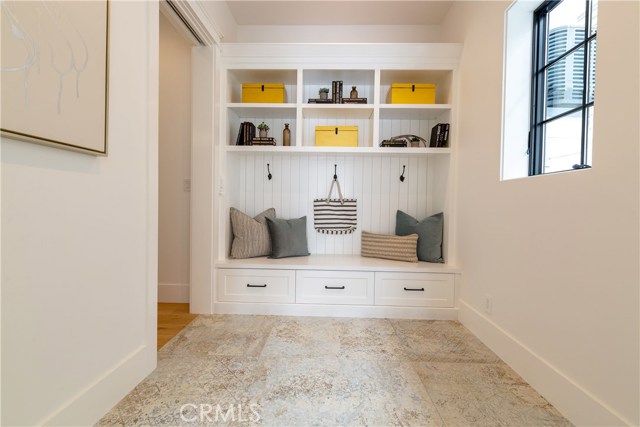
(320, 101)
(439, 135)
(263, 141)
(354, 101)
(246, 134)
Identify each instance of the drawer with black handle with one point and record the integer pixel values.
(415, 289)
(334, 287)
(255, 285)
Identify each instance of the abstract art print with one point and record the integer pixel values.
(54, 73)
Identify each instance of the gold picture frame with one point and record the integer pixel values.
(54, 73)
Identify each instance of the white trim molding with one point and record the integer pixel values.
(573, 401)
(173, 292)
(190, 18)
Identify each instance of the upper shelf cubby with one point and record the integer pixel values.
(314, 80)
(237, 77)
(441, 78)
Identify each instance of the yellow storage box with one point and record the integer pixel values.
(263, 93)
(413, 93)
(337, 136)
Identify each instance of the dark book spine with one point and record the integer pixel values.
(340, 92)
(445, 136)
(433, 142)
(440, 134)
(252, 132)
(239, 139)
(334, 91)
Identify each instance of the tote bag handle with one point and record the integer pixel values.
(335, 181)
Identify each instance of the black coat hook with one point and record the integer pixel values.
(269, 176)
(402, 176)
(335, 172)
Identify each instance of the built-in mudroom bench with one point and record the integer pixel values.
(419, 179)
(329, 285)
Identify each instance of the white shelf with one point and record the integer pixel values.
(338, 150)
(337, 263)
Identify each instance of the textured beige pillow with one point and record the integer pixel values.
(250, 235)
(398, 248)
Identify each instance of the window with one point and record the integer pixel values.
(562, 90)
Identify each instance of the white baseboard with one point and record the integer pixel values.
(173, 292)
(573, 401)
(337, 311)
(92, 403)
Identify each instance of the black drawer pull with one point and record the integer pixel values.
(414, 289)
(256, 286)
(334, 287)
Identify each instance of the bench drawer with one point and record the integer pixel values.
(328, 287)
(414, 289)
(240, 285)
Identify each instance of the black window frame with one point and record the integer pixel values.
(539, 90)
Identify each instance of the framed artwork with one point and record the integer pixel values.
(54, 67)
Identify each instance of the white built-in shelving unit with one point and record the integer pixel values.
(303, 171)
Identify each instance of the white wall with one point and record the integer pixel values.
(79, 250)
(221, 18)
(558, 253)
(338, 34)
(175, 164)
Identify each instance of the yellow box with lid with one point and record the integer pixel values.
(263, 93)
(337, 136)
(412, 93)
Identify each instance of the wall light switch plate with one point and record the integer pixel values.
(186, 185)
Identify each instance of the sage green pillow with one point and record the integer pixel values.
(288, 237)
(429, 232)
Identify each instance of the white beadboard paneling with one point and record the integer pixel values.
(373, 180)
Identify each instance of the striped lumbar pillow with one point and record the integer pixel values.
(399, 248)
(250, 235)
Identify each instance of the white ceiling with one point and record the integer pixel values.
(336, 12)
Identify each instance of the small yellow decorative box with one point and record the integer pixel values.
(413, 93)
(337, 136)
(263, 93)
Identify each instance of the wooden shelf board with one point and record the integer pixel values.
(337, 150)
(337, 263)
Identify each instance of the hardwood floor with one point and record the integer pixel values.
(172, 318)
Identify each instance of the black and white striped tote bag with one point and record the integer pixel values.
(335, 216)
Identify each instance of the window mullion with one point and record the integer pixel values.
(585, 85)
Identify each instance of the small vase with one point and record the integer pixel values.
(353, 93)
(286, 135)
(263, 133)
(324, 95)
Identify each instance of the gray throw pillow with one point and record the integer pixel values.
(429, 232)
(250, 235)
(288, 237)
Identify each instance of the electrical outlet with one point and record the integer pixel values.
(488, 303)
(221, 187)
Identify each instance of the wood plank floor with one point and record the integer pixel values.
(172, 318)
